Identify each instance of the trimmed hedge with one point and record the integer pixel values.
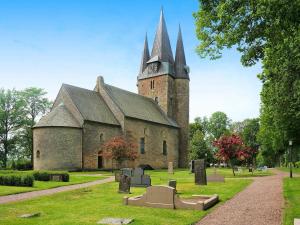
(17, 180)
(47, 175)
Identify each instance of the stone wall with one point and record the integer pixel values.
(154, 135)
(64, 97)
(57, 148)
(182, 118)
(94, 135)
(163, 89)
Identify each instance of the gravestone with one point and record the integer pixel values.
(115, 221)
(56, 178)
(200, 172)
(192, 166)
(127, 171)
(117, 176)
(139, 179)
(30, 215)
(124, 184)
(215, 177)
(170, 168)
(172, 183)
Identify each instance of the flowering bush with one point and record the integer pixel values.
(120, 148)
(231, 148)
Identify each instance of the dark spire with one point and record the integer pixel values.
(181, 69)
(161, 45)
(145, 56)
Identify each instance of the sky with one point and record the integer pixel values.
(50, 42)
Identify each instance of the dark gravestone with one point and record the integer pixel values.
(139, 179)
(200, 172)
(172, 183)
(192, 166)
(127, 171)
(124, 184)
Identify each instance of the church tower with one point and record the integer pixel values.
(167, 81)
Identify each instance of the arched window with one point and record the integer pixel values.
(38, 154)
(142, 145)
(165, 150)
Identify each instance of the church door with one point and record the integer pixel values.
(100, 161)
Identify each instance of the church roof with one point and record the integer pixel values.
(181, 69)
(60, 116)
(145, 56)
(138, 106)
(90, 105)
(161, 46)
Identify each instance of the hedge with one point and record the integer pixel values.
(17, 180)
(47, 175)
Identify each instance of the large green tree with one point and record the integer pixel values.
(36, 105)
(199, 148)
(11, 119)
(218, 125)
(266, 31)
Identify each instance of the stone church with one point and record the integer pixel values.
(70, 136)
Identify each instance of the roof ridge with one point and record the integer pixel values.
(148, 99)
(64, 84)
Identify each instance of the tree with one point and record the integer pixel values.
(198, 148)
(11, 118)
(254, 27)
(232, 149)
(261, 30)
(218, 124)
(119, 148)
(36, 105)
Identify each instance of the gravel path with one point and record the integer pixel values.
(33, 194)
(261, 203)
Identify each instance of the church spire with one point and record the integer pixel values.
(145, 56)
(161, 45)
(181, 69)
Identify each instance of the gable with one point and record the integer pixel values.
(60, 116)
(138, 107)
(90, 105)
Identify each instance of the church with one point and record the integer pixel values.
(70, 136)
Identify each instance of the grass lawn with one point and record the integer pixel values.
(89, 205)
(292, 200)
(287, 169)
(226, 172)
(75, 178)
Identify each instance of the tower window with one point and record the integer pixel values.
(142, 145)
(165, 150)
(38, 154)
(152, 84)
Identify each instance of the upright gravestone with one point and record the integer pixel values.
(172, 183)
(139, 179)
(192, 166)
(170, 168)
(124, 184)
(200, 172)
(215, 177)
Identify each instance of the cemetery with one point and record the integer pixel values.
(99, 127)
(104, 201)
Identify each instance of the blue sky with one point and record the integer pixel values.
(47, 43)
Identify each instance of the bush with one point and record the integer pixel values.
(48, 175)
(17, 180)
(22, 165)
(297, 164)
